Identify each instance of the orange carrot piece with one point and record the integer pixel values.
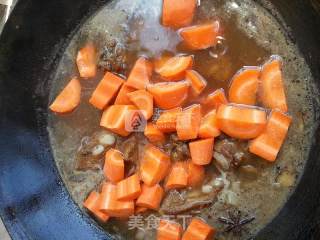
(168, 119)
(150, 197)
(106, 90)
(114, 118)
(140, 210)
(140, 75)
(87, 61)
(241, 121)
(175, 68)
(244, 86)
(209, 125)
(198, 83)
(91, 203)
(269, 143)
(154, 165)
(169, 95)
(178, 13)
(168, 230)
(144, 101)
(196, 174)
(216, 98)
(188, 122)
(201, 151)
(198, 230)
(68, 99)
(129, 188)
(153, 134)
(109, 204)
(272, 93)
(114, 165)
(178, 176)
(159, 62)
(201, 36)
(122, 98)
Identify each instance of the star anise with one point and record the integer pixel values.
(235, 222)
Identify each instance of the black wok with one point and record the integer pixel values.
(34, 203)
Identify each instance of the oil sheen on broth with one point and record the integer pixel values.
(251, 35)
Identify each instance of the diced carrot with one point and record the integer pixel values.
(168, 119)
(216, 98)
(91, 203)
(140, 210)
(140, 75)
(68, 99)
(178, 176)
(106, 90)
(188, 122)
(175, 68)
(196, 174)
(198, 230)
(244, 86)
(122, 98)
(209, 125)
(241, 121)
(87, 61)
(109, 204)
(159, 62)
(129, 188)
(150, 197)
(178, 13)
(144, 101)
(168, 230)
(154, 165)
(114, 118)
(201, 151)
(198, 83)
(169, 95)
(153, 134)
(268, 144)
(272, 92)
(114, 165)
(201, 36)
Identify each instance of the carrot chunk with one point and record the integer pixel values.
(198, 83)
(178, 176)
(188, 122)
(144, 101)
(268, 144)
(169, 95)
(175, 68)
(201, 36)
(244, 86)
(196, 174)
(122, 98)
(129, 188)
(209, 125)
(198, 230)
(87, 61)
(201, 151)
(168, 230)
(272, 92)
(106, 90)
(150, 197)
(68, 99)
(241, 121)
(154, 165)
(168, 119)
(216, 98)
(114, 118)
(114, 165)
(160, 61)
(109, 204)
(140, 210)
(178, 13)
(91, 203)
(153, 134)
(140, 75)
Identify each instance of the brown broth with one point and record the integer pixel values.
(251, 35)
